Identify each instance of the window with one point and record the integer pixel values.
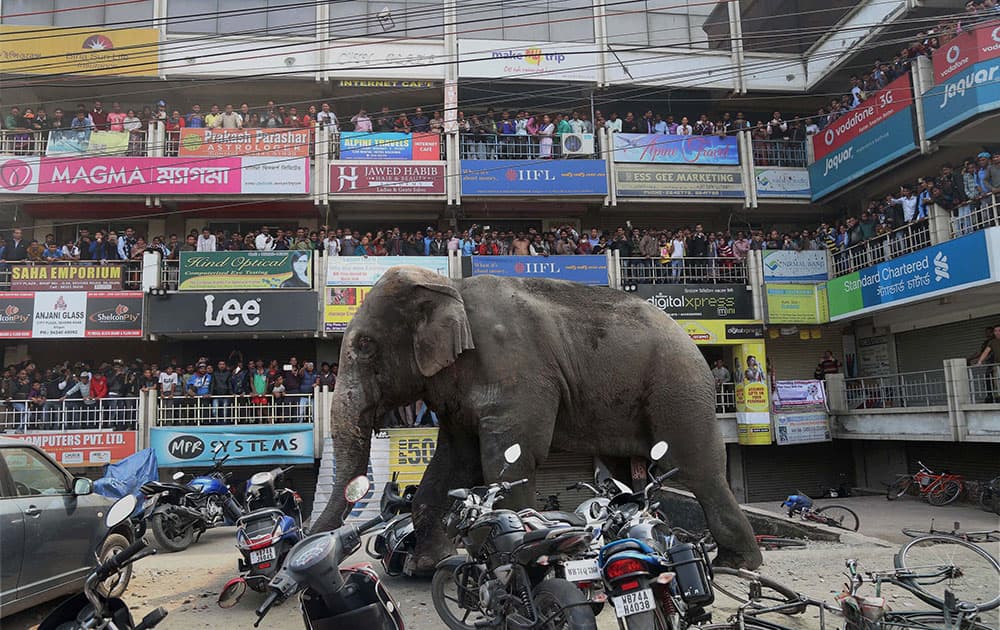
(32, 473)
(552, 21)
(659, 23)
(226, 17)
(68, 13)
(389, 18)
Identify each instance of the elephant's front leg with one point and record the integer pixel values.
(455, 464)
(532, 431)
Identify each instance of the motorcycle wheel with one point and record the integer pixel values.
(116, 584)
(451, 603)
(564, 600)
(167, 538)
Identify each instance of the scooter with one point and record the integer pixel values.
(394, 545)
(332, 596)
(90, 609)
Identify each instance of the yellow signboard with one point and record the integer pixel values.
(716, 332)
(753, 417)
(410, 452)
(797, 304)
(340, 305)
(98, 51)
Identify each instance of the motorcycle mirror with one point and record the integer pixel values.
(232, 592)
(658, 451)
(177, 476)
(357, 488)
(121, 511)
(512, 454)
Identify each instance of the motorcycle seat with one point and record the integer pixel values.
(270, 513)
(564, 517)
(549, 532)
(159, 486)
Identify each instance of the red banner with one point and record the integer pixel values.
(386, 178)
(966, 50)
(426, 146)
(82, 448)
(875, 109)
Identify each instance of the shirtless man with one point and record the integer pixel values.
(520, 246)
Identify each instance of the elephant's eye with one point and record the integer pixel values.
(365, 345)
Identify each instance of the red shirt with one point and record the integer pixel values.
(98, 386)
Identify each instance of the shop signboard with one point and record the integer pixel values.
(753, 417)
(797, 304)
(218, 312)
(243, 142)
(680, 181)
(83, 141)
(801, 395)
(873, 356)
(509, 59)
(791, 266)
(366, 270)
(66, 277)
(410, 452)
(782, 182)
(583, 269)
(154, 176)
(716, 332)
(530, 178)
(70, 314)
(982, 43)
(389, 145)
(699, 301)
(670, 149)
(82, 448)
(340, 305)
(90, 51)
(384, 83)
(871, 135)
(936, 270)
(969, 85)
(802, 428)
(387, 178)
(215, 271)
(245, 445)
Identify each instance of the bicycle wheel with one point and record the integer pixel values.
(934, 564)
(945, 493)
(898, 488)
(923, 621)
(840, 516)
(735, 584)
(773, 542)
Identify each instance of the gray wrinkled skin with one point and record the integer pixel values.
(546, 363)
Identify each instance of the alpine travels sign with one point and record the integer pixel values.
(232, 312)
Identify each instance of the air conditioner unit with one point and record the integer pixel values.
(578, 144)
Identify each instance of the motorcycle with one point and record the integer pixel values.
(91, 609)
(655, 581)
(394, 545)
(266, 534)
(210, 494)
(505, 581)
(333, 597)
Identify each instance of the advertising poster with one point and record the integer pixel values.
(699, 301)
(667, 149)
(717, 332)
(877, 108)
(389, 145)
(499, 59)
(583, 269)
(214, 271)
(70, 314)
(66, 277)
(530, 178)
(185, 313)
(246, 445)
(680, 181)
(67, 142)
(387, 179)
(802, 428)
(59, 314)
(366, 270)
(790, 266)
(753, 417)
(972, 91)
(797, 304)
(873, 356)
(244, 142)
(340, 305)
(82, 448)
(410, 452)
(95, 52)
(799, 395)
(113, 314)
(782, 182)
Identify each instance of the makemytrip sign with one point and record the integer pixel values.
(698, 182)
(389, 145)
(82, 448)
(878, 107)
(243, 142)
(669, 149)
(691, 301)
(583, 269)
(234, 312)
(70, 314)
(499, 59)
(213, 271)
(259, 444)
(940, 269)
(66, 277)
(373, 178)
(797, 304)
(529, 178)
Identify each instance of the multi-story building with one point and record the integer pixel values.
(901, 311)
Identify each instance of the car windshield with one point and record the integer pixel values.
(32, 473)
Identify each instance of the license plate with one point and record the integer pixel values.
(634, 602)
(263, 555)
(582, 570)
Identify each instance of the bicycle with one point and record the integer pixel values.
(831, 515)
(764, 541)
(981, 536)
(989, 495)
(938, 488)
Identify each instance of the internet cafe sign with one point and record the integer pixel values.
(234, 312)
(213, 271)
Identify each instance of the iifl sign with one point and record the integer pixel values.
(875, 109)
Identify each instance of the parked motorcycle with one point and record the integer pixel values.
(331, 596)
(93, 610)
(394, 545)
(505, 581)
(655, 581)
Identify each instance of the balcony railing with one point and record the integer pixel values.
(911, 389)
(984, 383)
(252, 409)
(119, 413)
(976, 215)
(683, 271)
(882, 247)
(131, 270)
(725, 398)
(779, 153)
(512, 147)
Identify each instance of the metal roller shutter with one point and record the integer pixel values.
(774, 472)
(927, 348)
(973, 461)
(560, 470)
(794, 358)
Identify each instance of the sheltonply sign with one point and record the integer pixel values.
(532, 178)
(927, 273)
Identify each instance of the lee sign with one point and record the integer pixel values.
(285, 311)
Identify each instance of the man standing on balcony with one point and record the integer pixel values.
(99, 117)
(419, 123)
(206, 241)
(221, 391)
(722, 377)
(827, 365)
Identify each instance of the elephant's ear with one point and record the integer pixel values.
(443, 332)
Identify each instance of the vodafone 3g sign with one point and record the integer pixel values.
(967, 49)
(875, 109)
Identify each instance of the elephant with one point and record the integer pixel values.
(548, 364)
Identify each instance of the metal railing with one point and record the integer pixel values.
(790, 153)
(984, 383)
(28, 142)
(684, 271)
(113, 412)
(725, 398)
(882, 247)
(474, 146)
(131, 271)
(910, 389)
(234, 409)
(976, 215)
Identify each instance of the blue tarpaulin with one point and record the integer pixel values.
(128, 475)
